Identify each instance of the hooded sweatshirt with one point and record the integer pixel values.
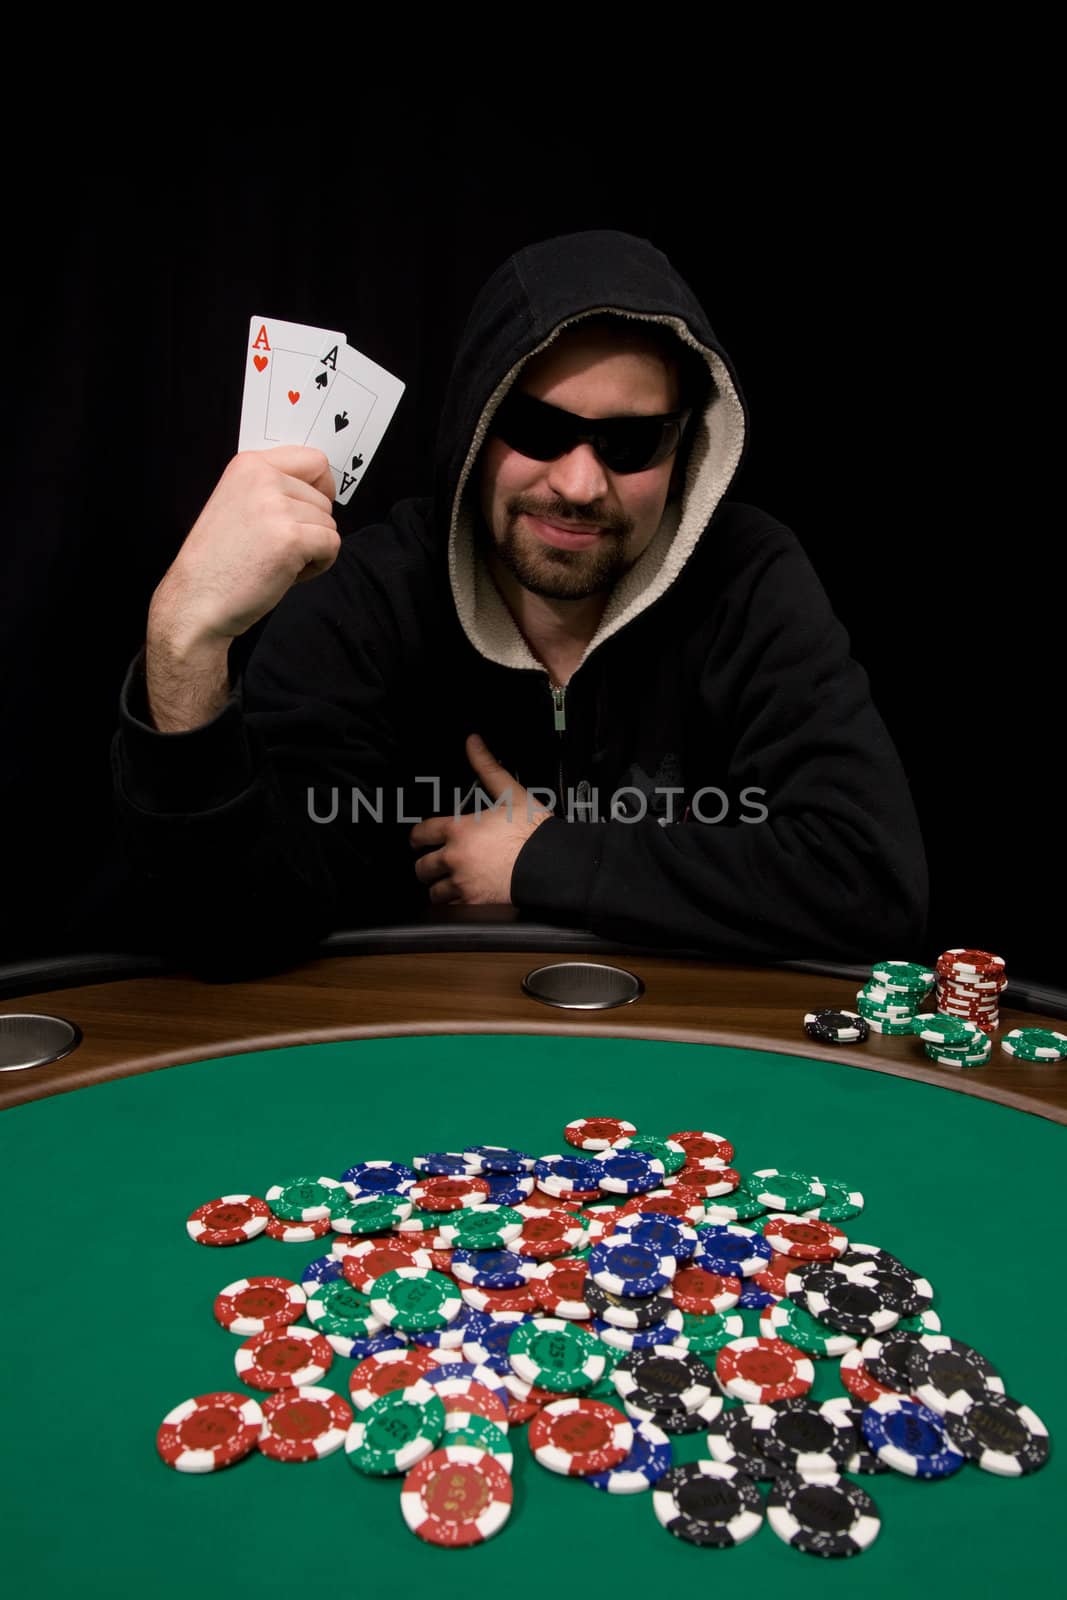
(719, 776)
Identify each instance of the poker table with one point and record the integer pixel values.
(390, 1042)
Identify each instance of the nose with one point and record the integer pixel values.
(579, 476)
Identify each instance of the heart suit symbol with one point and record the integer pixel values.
(294, 396)
(260, 361)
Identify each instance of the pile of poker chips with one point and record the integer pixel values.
(597, 1296)
(966, 986)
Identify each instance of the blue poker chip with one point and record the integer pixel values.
(752, 1298)
(324, 1269)
(625, 1266)
(630, 1172)
(380, 1177)
(561, 1174)
(469, 1370)
(444, 1164)
(732, 1251)
(492, 1269)
(910, 1438)
(360, 1349)
(616, 1338)
(485, 1338)
(507, 1189)
(649, 1459)
(485, 1158)
(669, 1234)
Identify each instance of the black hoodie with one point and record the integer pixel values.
(721, 778)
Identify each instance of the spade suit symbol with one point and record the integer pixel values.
(321, 381)
(340, 421)
(357, 461)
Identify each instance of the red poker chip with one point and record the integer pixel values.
(554, 1233)
(763, 1370)
(373, 1258)
(704, 1293)
(681, 1203)
(559, 1288)
(578, 1437)
(209, 1431)
(538, 1200)
(772, 1277)
(492, 1300)
(441, 1261)
(296, 1232)
(977, 963)
(804, 1238)
(388, 1371)
(304, 1424)
(231, 1219)
(448, 1193)
(473, 1396)
(456, 1496)
(291, 1359)
(707, 1182)
(520, 1411)
(600, 1222)
(259, 1305)
(705, 1149)
(598, 1133)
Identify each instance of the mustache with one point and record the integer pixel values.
(564, 511)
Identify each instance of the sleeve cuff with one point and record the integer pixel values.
(168, 773)
(554, 871)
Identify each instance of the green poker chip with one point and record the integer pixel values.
(933, 1028)
(907, 976)
(603, 1388)
(840, 1204)
(799, 1328)
(556, 1355)
(1035, 1044)
(467, 1427)
(415, 1299)
(740, 1205)
(785, 1191)
(306, 1199)
(924, 1322)
(395, 1432)
(703, 1335)
(481, 1228)
(339, 1307)
(369, 1214)
(419, 1221)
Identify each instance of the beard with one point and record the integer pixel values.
(553, 573)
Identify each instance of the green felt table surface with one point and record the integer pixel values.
(108, 1318)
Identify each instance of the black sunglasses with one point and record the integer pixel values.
(624, 444)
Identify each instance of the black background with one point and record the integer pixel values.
(877, 279)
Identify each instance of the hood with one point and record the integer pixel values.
(540, 290)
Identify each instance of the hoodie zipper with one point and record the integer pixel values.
(559, 722)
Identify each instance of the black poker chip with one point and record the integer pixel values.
(624, 1311)
(836, 1027)
(708, 1503)
(863, 1458)
(824, 1516)
(1001, 1434)
(887, 1359)
(851, 1304)
(733, 1439)
(807, 1436)
(662, 1378)
(944, 1372)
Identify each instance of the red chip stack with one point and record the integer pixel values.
(969, 984)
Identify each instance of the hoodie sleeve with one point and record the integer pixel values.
(837, 868)
(239, 834)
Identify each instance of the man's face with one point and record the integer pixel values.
(590, 375)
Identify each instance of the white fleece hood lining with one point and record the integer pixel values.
(715, 447)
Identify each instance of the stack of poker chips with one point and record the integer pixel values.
(952, 1041)
(891, 999)
(969, 985)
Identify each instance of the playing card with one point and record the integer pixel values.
(277, 360)
(348, 412)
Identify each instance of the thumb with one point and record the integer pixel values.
(494, 778)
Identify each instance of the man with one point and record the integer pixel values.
(614, 697)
